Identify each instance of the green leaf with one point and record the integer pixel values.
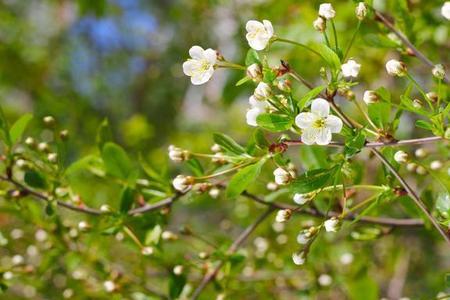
(252, 57)
(4, 128)
(424, 124)
(312, 180)
(126, 199)
(380, 113)
(19, 127)
(104, 134)
(242, 81)
(242, 179)
(355, 144)
(117, 162)
(274, 122)
(153, 236)
(176, 285)
(260, 139)
(34, 179)
(195, 166)
(384, 94)
(363, 287)
(379, 41)
(308, 96)
(228, 144)
(328, 55)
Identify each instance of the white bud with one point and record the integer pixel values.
(435, 165)
(272, 186)
(420, 152)
(17, 260)
(254, 72)
(214, 192)
(8, 275)
(421, 170)
(105, 208)
(370, 97)
(417, 103)
(83, 226)
(301, 199)
(43, 147)
(168, 235)
(182, 183)
(350, 68)
(304, 237)
(326, 11)
(219, 158)
(21, 163)
(396, 68)
(401, 156)
(325, 280)
(346, 258)
(283, 215)
(177, 154)
(16, 233)
(432, 96)
(147, 251)
(299, 258)
(320, 24)
(361, 11)
(262, 91)
(282, 176)
(29, 141)
(178, 270)
(109, 286)
(445, 10)
(41, 235)
(411, 167)
(438, 71)
(52, 157)
(332, 225)
(216, 148)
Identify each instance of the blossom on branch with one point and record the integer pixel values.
(259, 34)
(200, 67)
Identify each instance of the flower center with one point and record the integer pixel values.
(319, 123)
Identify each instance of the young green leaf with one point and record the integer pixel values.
(252, 57)
(274, 122)
(242, 80)
(228, 144)
(242, 179)
(355, 144)
(308, 96)
(313, 180)
(260, 139)
(195, 166)
(104, 134)
(126, 199)
(35, 179)
(117, 162)
(380, 113)
(328, 55)
(18, 128)
(4, 129)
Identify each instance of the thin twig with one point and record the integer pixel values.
(209, 276)
(314, 212)
(405, 41)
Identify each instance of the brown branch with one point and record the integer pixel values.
(418, 141)
(209, 276)
(316, 213)
(406, 42)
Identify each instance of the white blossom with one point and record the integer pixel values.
(254, 72)
(17, 259)
(214, 193)
(332, 225)
(320, 24)
(361, 10)
(435, 165)
(283, 215)
(282, 176)
(304, 237)
(182, 183)
(326, 11)
(301, 199)
(396, 68)
(401, 156)
(318, 125)
(325, 280)
(445, 10)
(438, 70)
(259, 34)
(350, 68)
(370, 97)
(109, 286)
(272, 186)
(417, 103)
(177, 154)
(200, 67)
(257, 107)
(262, 91)
(299, 258)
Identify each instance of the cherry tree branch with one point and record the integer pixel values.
(405, 41)
(209, 276)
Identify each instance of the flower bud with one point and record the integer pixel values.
(30, 142)
(438, 71)
(411, 167)
(301, 199)
(283, 215)
(64, 134)
(396, 68)
(254, 72)
(109, 286)
(332, 225)
(401, 157)
(169, 236)
(177, 154)
(420, 152)
(435, 165)
(299, 258)
(43, 147)
(182, 183)
(417, 104)
(370, 97)
(49, 121)
(325, 280)
(421, 170)
(320, 24)
(21, 163)
(214, 192)
(361, 11)
(147, 251)
(203, 255)
(432, 96)
(105, 208)
(326, 11)
(284, 85)
(216, 148)
(178, 270)
(219, 158)
(262, 91)
(272, 186)
(282, 176)
(52, 157)
(83, 226)
(17, 260)
(305, 236)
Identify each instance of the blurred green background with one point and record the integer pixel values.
(89, 60)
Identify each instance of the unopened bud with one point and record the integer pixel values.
(254, 72)
(83, 226)
(177, 154)
(284, 85)
(411, 167)
(21, 163)
(361, 11)
(216, 148)
(282, 176)
(435, 165)
(438, 71)
(421, 170)
(147, 251)
(432, 96)
(105, 208)
(283, 215)
(320, 24)
(49, 121)
(332, 225)
(299, 258)
(417, 104)
(203, 255)
(30, 142)
(182, 183)
(396, 68)
(214, 192)
(169, 236)
(64, 134)
(52, 157)
(370, 97)
(272, 186)
(219, 158)
(43, 147)
(401, 157)
(420, 152)
(178, 270)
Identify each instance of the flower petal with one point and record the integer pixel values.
(333, 123)
(305, 120)
(189, 67)
(201, 78)
(309, 136)
(253, 25)
(211, 56)
(323, 136)
(258, 43)
(196, 52)
(251, 116)
(269, 28)
(320, 107)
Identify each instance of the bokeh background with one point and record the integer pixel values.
(89, 60)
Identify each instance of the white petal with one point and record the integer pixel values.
(305, 120)
(201, 78)
(253, 25)
(257, 43)
(211, 56)
(269, 28)
(251, 116)
(333, 123)
(320, 107)
(196, 52)
(323, 136)
(189, 67)
(309, 136)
